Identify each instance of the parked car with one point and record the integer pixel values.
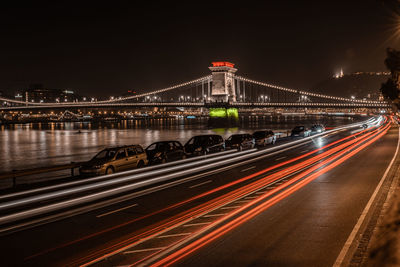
(240, 141)
(263, 138)
(300, 131)
(317, 128)
(161, 152)
(115, 159)
(204, 144)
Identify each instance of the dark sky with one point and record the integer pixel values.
(106, 49)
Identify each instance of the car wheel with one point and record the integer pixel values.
(110, 170)
(140, 164)
(164, 160)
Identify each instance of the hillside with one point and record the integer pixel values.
(360, 85)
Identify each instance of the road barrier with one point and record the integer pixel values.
(152, 177)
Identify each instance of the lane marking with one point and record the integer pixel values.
(215, 215)
(231, 207)
(280, 158)
(185, 247)
(253, 197)
(340, 259)
(304, 151)
(252, 167)
(241, 201)
(142, 250)
(195, 224)
(173, 235)
(206, 182)
(261, 192)
(114, 211)
(188, 179)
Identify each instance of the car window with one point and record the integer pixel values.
(236, 138)
(162, 146)
(217, 139)
(151, 147)
(105, 154)
(259, 135)
(131, 151)
(178, 145)
(200, 140)
(191, 141)
(139, 149)
(171, 146)
(121, 154)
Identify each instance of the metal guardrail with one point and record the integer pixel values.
(14, 174)
(121, 188)
(73, 165)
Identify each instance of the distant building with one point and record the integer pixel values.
(339, 75)
(37, 93)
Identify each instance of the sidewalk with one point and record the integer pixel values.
(384, 249)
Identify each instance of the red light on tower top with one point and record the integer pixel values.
(223, 64)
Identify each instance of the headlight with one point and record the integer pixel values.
(98, 166)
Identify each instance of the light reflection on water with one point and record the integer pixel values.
(37, 144)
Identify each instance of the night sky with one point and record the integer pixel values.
(107, 49)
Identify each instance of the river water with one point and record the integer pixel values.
(25, 146)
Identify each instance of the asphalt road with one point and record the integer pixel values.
(306, 228)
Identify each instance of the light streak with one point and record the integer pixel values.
(197, 244)
(154, 229)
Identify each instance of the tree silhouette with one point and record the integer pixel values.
(390, 89)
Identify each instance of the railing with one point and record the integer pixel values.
(20, 173)
(98, 190)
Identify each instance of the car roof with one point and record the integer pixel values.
(201, 135)
(268, 130)
(240, 134)
(119, 147)
(160, 142)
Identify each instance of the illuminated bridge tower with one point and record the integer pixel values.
(223, 85)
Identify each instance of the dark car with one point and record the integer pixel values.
(240, 141)
(300, 131)
(204, 144)
(115, 159)
(317, 128)
(161, 152)
(263, 138)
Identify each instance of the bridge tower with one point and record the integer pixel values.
(223, 85)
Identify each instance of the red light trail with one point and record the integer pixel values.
(197, 244)
(170, 223)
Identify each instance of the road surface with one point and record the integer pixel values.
(294, 208)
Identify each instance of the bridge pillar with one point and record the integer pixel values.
(223, 85)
